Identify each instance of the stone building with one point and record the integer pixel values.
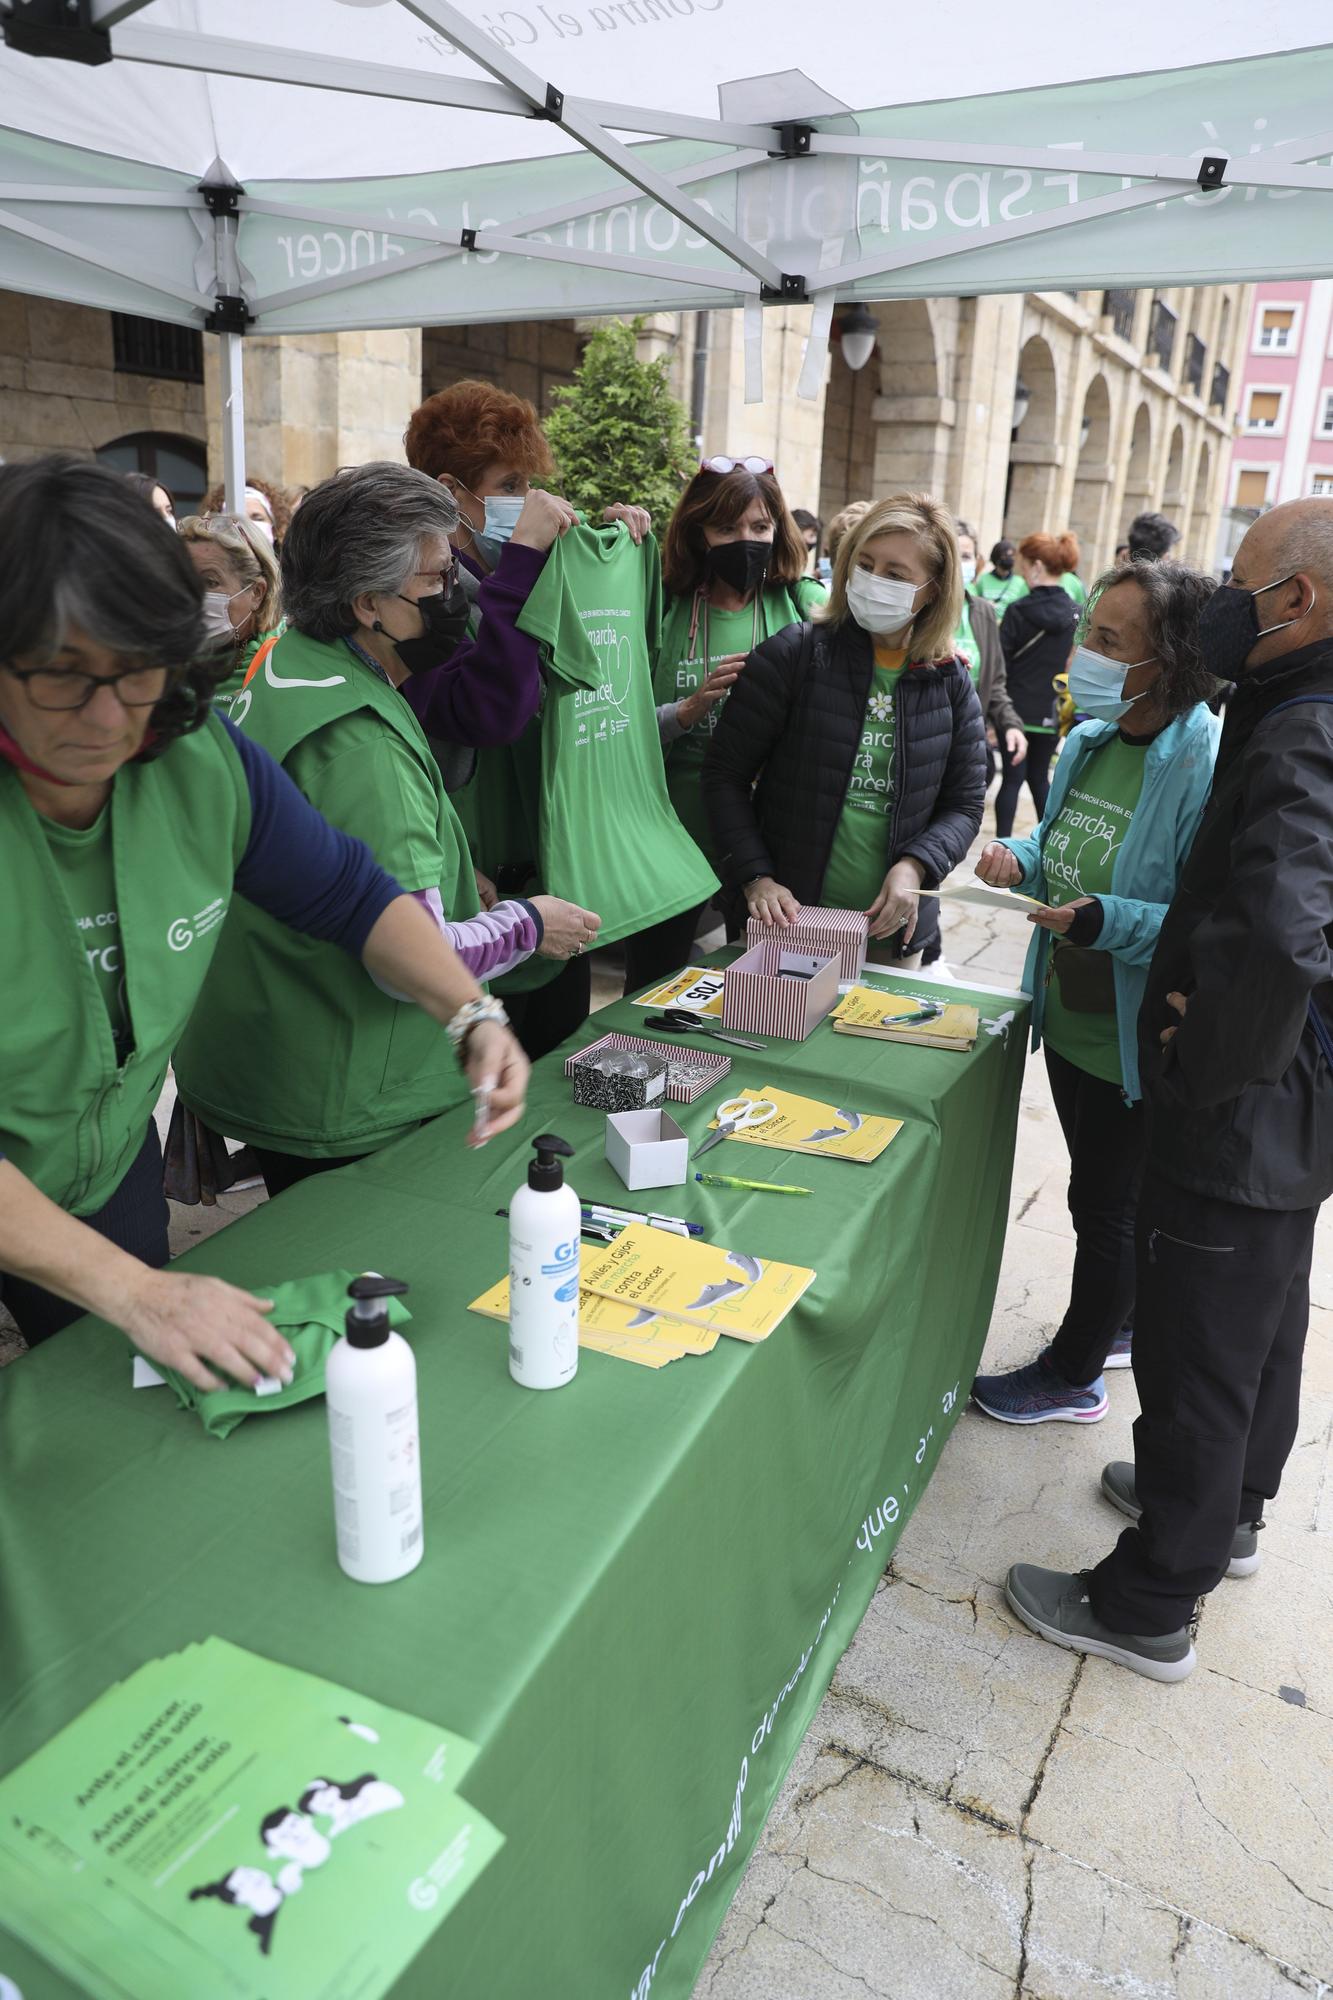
(1045, 410)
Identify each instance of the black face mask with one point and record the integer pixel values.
(1229, 628)
(444, 617)
(741, 565)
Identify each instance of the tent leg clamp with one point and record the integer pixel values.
(793, 142)
(554, 107)
(232, 315)
(1212, 172)
(60, 28)
(468, 238)
(791, 291)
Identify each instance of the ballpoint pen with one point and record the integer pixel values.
(760, 1187)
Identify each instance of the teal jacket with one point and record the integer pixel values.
(1177, 775)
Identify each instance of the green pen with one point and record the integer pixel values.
(760, 1187)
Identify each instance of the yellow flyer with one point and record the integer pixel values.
(692, 1283)
(696, 990)
(866, 1012)
(827, 1131)
(622, 1331)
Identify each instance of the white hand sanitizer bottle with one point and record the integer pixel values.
(545, 1222)
(371, 1391)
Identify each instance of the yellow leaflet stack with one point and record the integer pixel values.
(693, 1284)
(804, 1125)
(622, 1331)
(865, 1012)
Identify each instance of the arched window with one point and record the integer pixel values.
(181, 463)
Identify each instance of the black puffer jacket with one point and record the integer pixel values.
(794, 722)
(1037, 633)
(1241, 1103)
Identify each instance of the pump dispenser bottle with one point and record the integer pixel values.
(371, 1391)
(545, 1221)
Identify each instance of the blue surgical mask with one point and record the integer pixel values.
(1097, 685)
(502, 512)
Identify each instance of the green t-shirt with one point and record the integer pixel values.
(1002, 591)
(608, 836)
(365, 779)
(965, 642)
(87, 866)
(1074, 586)
(860, 857)
(1079, 858)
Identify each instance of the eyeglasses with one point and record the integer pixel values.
(58, 687)
(724, 465)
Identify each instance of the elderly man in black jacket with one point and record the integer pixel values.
(1236, 1048)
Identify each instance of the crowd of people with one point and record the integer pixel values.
(275, 789)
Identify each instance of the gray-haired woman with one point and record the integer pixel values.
(290, 1048)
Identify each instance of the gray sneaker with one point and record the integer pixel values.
(1118, 1486)
(1056, 1605)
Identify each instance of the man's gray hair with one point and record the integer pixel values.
(1304, 541)
(360, 532)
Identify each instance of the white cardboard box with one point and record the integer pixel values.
(647, 1149)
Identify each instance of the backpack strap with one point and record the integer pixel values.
(1318, 1025)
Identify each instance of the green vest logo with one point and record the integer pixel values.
(182, 931)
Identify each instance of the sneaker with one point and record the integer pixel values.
(1037, 1395)
(1121, 1355)
(1118, 1486)
(1057, 1606)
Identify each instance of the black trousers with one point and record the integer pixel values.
(284, 1170)
(1107, 1140)
(653, 955)
(543, 1018)
(1220, 1316)
(1034, 769)
(134, 1219)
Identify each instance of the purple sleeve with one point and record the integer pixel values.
(493, 942)
(489, 690)
(309, 875)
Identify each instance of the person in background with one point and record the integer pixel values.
(267, 506)
(733, 565)
(1073, 585)
(1121, 553)
(488, 449)
(290, 1049)
(129, 818)
(1235, 1049)
(849, 765)
(1151, 536)
(977, 641)
(838, 527)
(1001, 584)
(159, 496)
(242, 594)
(811, 530)
(1126, 800)
(1036, 632)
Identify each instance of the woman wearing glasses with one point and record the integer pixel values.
(130, 819)
(733, 573)
(290, 1048)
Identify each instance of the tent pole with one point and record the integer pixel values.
(231, 354)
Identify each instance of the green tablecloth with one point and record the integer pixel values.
(634, 1591)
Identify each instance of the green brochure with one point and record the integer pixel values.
(220, 1824)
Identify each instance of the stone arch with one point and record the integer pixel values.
(1197, 540)
(1034, 452)
(1138, 474)
(180, 463)
(887, 427)
(1173, 482)
(1090, 504)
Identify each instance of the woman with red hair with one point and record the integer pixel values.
(1037, 635)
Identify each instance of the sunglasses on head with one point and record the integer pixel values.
(724, 465)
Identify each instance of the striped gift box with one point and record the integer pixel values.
(690, 1072)
(761, 993)
(840, 934)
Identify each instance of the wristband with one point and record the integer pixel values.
(469, 1016)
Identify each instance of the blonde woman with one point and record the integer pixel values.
(242, 593)
(848, 768)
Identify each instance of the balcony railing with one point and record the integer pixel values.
(1118, 307)
(1162, 333)
(1194, 361)
(1221, 389)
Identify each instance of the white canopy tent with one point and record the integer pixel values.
(318, 165)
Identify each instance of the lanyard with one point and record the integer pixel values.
(701, 601)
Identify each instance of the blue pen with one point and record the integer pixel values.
(674, 1224)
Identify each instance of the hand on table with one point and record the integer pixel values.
(544, 519)
(695, 706)
(637, 519)
(1060, 920)
(769, 903)
(1178, 1003)
(496, 1065)
(998, 867)
(895, 908)
(194, 1325)
(567, 929)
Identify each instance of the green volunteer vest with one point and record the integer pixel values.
(293, 1046)
(71, 1120)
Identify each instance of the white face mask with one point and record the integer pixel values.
(881, 603)
(217, 614)
(967, 565)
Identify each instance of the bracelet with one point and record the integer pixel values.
(469, 1016)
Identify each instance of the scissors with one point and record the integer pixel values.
(739, 1114)
(678, 1022)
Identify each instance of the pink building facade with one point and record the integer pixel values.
(1283, 447)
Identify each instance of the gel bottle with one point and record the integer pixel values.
(371, 1391)
(545, 1221)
